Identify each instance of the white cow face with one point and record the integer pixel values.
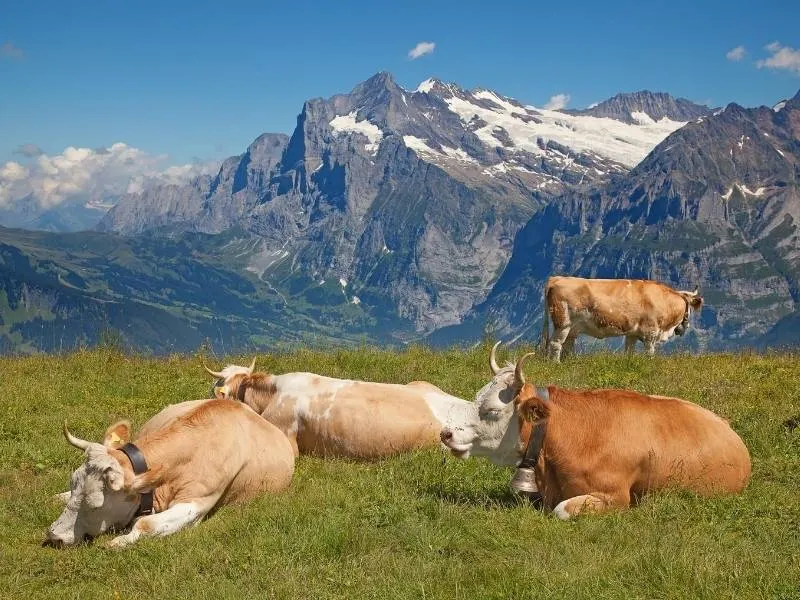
(221, 390)
(492, 430)
(97, 500)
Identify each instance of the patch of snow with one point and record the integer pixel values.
(779, 106)
(98, 205)
(322, 282)
(420, 145)
(624, 143)
(642, 118)
(386, 250)
(743, 188)
(348, 124)
(356, 300)
(758, 192)
(343, 282)
(779, 152)
(718, 112)
(740, 143)
(426, 86)
(458, 154)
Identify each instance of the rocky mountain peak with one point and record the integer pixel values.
(636, 107)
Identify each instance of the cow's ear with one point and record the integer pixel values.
(115, 478)
(525, 403)
(117, 435)
(696, 302)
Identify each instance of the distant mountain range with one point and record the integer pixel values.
(396, 215)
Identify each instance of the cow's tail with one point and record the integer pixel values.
(545, 337)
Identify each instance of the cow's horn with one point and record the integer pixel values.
(214, 373)
(519, 375)
(696, 289)
(493, 359)
(252, 366)
(77, 442)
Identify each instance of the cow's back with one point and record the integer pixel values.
(222, 445)
(167, 415)
(369, 420)
(603, 307)
(617, 438)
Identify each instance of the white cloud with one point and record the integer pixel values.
(593, 104)
(557, 102)
(783, 57)
(421, 49)
(735, 54)
(88, 175)
(9, 50)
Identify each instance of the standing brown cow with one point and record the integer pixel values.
(639, 309)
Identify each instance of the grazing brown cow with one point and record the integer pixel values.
(330, 417)
(600, 449)
(638, 309)
(191, 458)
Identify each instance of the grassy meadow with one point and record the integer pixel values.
(417, 526)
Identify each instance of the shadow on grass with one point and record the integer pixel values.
(492, 498)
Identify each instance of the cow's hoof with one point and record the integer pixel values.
(560, 511)
(117, 543)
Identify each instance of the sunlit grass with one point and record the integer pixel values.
(417, 526)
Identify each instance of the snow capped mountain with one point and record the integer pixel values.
(411, 197)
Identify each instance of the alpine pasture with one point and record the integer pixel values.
(421, 525)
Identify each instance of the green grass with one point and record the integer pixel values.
(416, 526)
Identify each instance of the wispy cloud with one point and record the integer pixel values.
(783, 57)
(557, 102)
(421, 49)
(89, 175)
(29, 150)
(9, 50)
(735, 54)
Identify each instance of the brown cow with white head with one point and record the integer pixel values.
(600, 449)
(189, 459)
(325, 416)
(638, 309)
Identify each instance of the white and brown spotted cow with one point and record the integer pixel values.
(600, 449)
(187, 460)
(330, 417)
(638, 309)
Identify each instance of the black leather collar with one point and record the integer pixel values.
(139, 466)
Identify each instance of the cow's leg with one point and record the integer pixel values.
(557, 342)
(569, 344)
(596, 502)
(175, 518)
(630, 342)
(63, 497)
(650, 346)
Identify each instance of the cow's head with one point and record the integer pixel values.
(102, 495)
(693, 302)
(226, 380)
(493, 429)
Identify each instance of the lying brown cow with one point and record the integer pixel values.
(600, 449)
(330, 417)
(638, 309)
(189, 459)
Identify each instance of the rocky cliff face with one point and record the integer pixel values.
(716, 204)
(404, 203)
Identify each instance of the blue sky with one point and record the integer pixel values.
(202, 79)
